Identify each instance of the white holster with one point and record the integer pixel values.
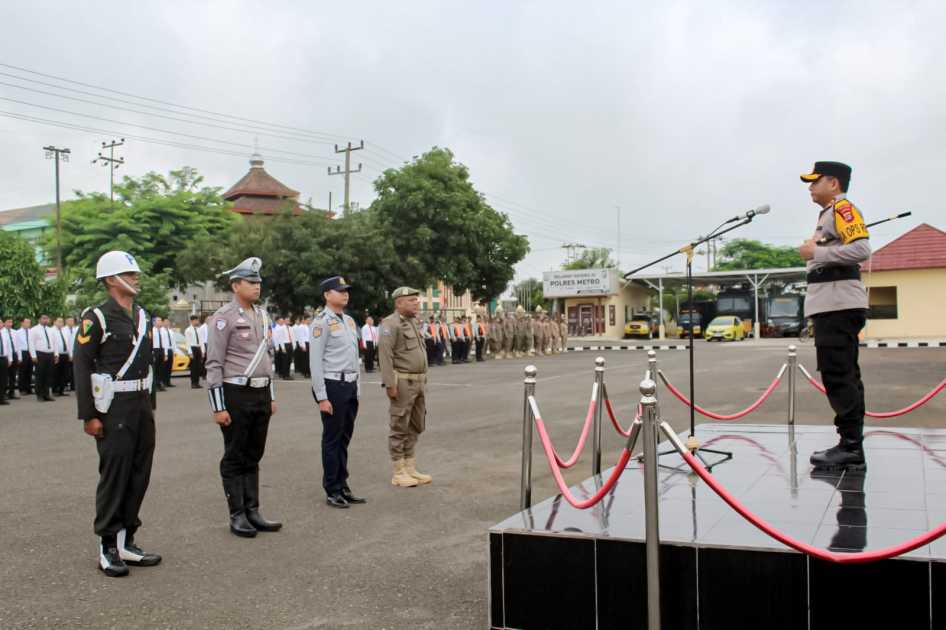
(103, 391)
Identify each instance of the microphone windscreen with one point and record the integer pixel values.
(763, 209)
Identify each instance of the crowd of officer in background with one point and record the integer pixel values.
(36, 359)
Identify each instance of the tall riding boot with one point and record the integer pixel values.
(239, 525)
(251, 496)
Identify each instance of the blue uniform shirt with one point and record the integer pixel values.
(333, 349)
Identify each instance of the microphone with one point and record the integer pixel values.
(763, 209)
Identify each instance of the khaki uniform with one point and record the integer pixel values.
(538, 336)
(495, 336)
(523, 333)
(403, 362)
(509, 334)
(555, 336)
(563, 329)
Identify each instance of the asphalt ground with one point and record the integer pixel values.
(411, 558)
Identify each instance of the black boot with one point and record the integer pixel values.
(110, 562)
(238, 523)
(132, 554)
(251, 494)
(847, 455)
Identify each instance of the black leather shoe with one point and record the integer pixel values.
(132, 554)
(337, 501)
(240, 526)
(847, 455)
(197, 387)
(110, 562)
(348, 496)
(4, 402)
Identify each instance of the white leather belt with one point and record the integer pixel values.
(348, 377)
(137, 385)
(258, 382)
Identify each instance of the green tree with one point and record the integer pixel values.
(24, 289)
(530, 294)
(442, 228)
(592, 258)
(750, 254)
(168, 223)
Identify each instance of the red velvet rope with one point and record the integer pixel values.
(785, 539)
(882, 414)
(718, 416)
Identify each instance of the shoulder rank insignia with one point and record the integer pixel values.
(848, 222)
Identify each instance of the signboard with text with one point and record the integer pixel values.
(580, 282)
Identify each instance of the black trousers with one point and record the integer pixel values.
(371, 352)
(12, 371)
(26, 373)
(456, 354)
(244, 440)
(168, 366)
(197, 365)
(61, 372)
(158, 367)
(126, 450)
(431, 351)
(337, 429)
(4, 377)
(836, 344)
(301, 359)
(44, 373)
(441, 351)
(480, 342)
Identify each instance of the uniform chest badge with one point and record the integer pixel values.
(221, 324)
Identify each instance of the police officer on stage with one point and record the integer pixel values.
(115, 396)
(240, 386)
(333, 361)
(404, 376)
(837, 303)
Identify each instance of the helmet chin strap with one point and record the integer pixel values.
(126, 285)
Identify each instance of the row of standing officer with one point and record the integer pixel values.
(36, 358)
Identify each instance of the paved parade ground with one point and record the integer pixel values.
(411, 558)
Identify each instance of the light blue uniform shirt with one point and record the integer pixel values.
(333, 349)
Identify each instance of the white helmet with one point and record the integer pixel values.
(114, 263)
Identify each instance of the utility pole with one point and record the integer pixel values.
(570, 251)
(112, 164)
(52, 153)
(347, 172)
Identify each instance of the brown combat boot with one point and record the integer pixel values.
(410, 467)
(401, 477)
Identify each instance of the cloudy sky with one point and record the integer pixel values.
(679, 113)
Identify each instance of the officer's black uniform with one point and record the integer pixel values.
(126, 448)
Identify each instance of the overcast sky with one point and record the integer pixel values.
(681, 113)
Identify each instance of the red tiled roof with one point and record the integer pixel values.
(923, 247)
(260, 183)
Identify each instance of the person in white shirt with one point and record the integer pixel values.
(21, 345)
(70, 331)
(301, 334)
(283, 344)
(64, 366)
(44, 356)
(14, 366)
(195, 351)
(369, 337)
(157, 346)
(167, 342)
(6, 359)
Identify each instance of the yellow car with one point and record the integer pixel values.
(642, 326)
(725, 327)
(181, 360)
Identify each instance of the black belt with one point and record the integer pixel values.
(835, 273)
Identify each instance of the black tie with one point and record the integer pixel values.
(62, 337)
(2, 353)
(48, 345)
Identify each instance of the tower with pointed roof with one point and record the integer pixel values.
(260, 194)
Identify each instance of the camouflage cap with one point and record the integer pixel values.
(404, 292)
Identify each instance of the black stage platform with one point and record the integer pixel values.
(554, 566)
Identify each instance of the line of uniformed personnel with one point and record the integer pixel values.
(501, 335)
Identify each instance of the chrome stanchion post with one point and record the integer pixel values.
(648, 388)
(792, 372)
(596, 426)
(652, 366)
(525, 494)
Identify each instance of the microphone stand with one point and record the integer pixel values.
(692, 443)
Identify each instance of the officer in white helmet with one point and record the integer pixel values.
(115, 395)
